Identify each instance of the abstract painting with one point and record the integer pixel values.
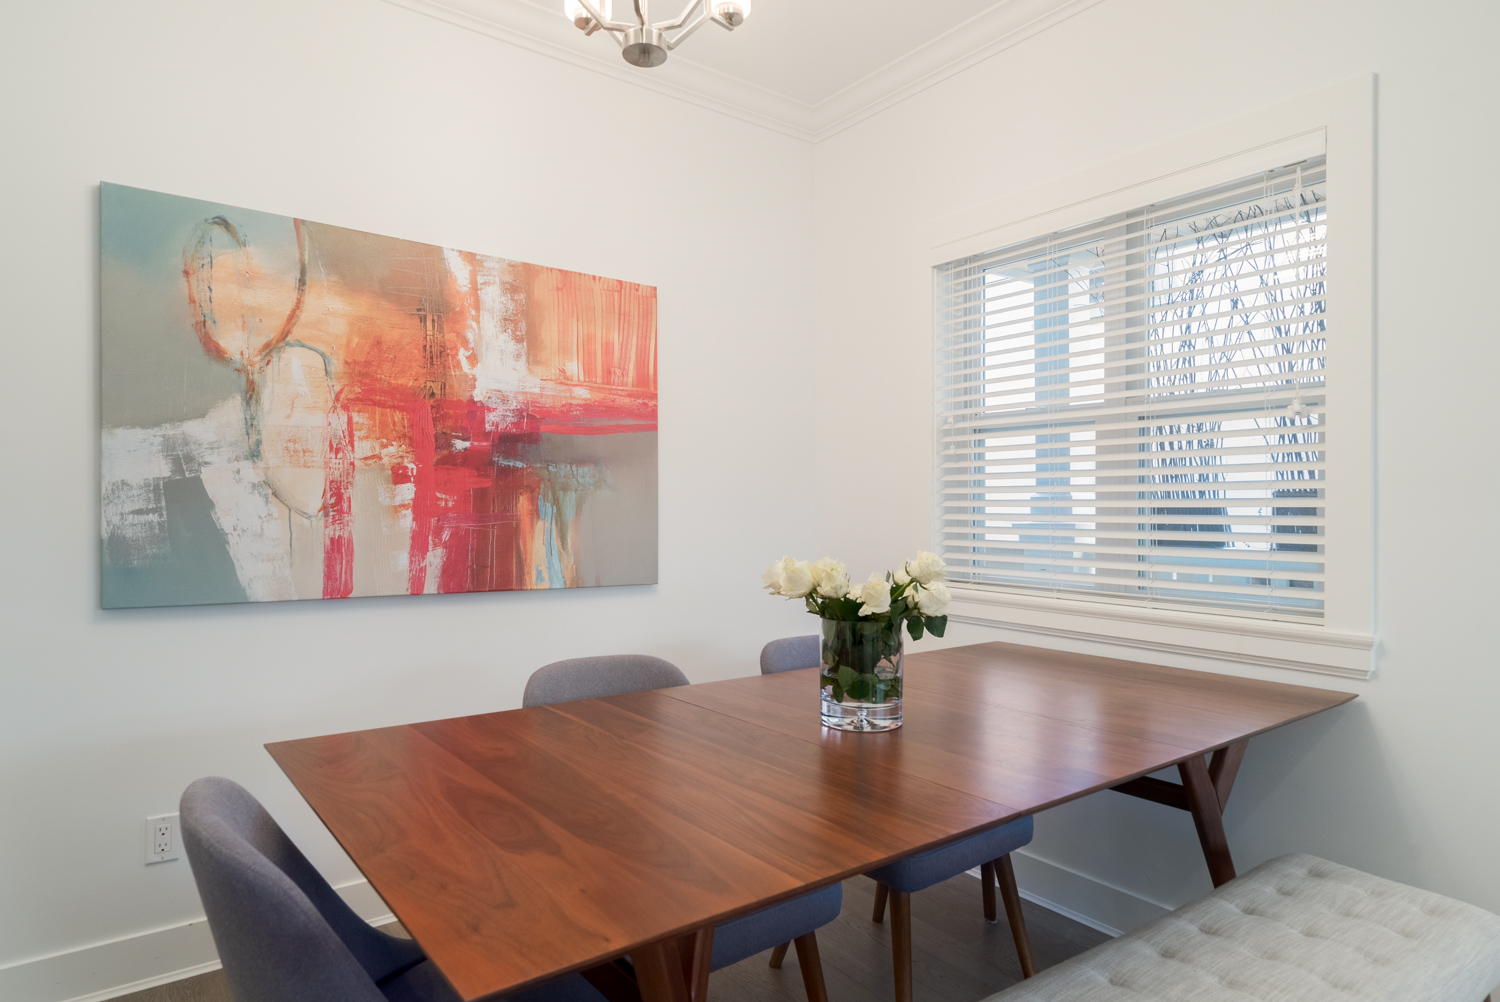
(293, 410)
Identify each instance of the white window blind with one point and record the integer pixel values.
(1133, 410)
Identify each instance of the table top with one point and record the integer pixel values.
(518, 845)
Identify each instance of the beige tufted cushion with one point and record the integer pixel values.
(1296, 929)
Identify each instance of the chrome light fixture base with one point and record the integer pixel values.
(645, 43)
(643, 47)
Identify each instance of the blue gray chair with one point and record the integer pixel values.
(794, 921)
(989, 850)
(791, 654)
(284, 935)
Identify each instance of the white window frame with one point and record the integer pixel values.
(1339, 122)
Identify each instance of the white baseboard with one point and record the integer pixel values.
(134, 963)
(1109, 909)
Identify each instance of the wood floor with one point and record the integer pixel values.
(956, 955)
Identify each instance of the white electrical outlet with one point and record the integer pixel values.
(161, 838)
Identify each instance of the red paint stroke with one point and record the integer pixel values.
(424, 497)
(338, 505)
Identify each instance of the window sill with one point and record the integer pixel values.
(1298, 646)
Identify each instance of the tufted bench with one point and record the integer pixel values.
(1296, 929)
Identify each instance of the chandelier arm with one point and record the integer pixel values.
(602, 21)
(682, 36)
(642, 12)
(681, 18)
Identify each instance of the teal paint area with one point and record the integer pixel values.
(194, 568)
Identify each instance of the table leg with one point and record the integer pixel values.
(1203, 801)
(614, 980)
(697, 951)
(659, 972)
(1204, 792)
(1224, 766)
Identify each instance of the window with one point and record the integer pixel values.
(1134, 410)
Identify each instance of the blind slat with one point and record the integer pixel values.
(1133, 409)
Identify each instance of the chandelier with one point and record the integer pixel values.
(645, 44)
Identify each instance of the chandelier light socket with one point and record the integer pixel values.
(731, 12)
(646, 43)
(581, 18)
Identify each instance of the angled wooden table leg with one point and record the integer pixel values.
(1223, 767)
(697, 949)
(1203, 801)
(1204, 793)
(659, 971)
(613, 982)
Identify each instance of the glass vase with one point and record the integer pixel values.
(860, 679)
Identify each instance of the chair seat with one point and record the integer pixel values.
(423, 983)
(919, 872)
(1296, 929)
(750, 934)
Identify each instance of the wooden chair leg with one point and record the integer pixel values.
(987, 889)
(901, 943)
(779, 954)
(812, 967)
(880, 893)
(1006, 872)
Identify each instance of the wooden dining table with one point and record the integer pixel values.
(520, 845)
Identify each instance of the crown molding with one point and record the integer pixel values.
(546, 32)
(542, 29)
(983, 36)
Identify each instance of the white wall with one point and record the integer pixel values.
(366, 115)
(1399, 783)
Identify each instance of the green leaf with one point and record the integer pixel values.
(914, 627)
(860, 688)
(847, 676)
(838, 693)
(936, 625)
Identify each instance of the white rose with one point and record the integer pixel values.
(772, 576)
(875, 596)
(901, 576)
(933, 600)
(926, 567)
(830, 578)
(796, 578)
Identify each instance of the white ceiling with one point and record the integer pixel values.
(809, 68)
(807, 50)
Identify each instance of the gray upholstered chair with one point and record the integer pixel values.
(990, 851)
(284, 935)
(795, 921)
(791, 654)
(896, 882)
(591, 678)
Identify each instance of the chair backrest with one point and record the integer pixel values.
(283, 934)
(591, 678)
(790, 654)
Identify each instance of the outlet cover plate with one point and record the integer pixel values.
(163, 838)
